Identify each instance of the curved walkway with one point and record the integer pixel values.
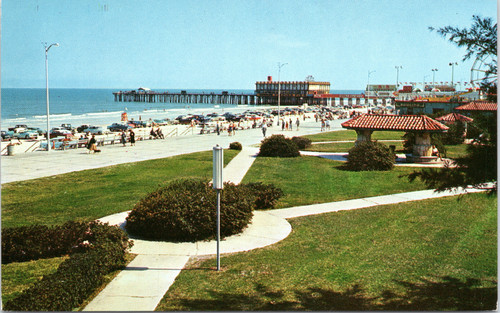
(144, 282)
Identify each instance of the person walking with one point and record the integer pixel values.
(132, 138)
(218, 129)
(297, 123)
(123, 138)
(264, 129)
(291, 124)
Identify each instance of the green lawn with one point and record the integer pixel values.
(308, 180)
(345, 146)
(351, 135)
(91, 194)
(18, 276)
(455, 151)
(438, 254)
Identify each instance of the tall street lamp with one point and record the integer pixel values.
(368, 86)
(452, 64)
(398, 67)
(434, 70)
(279, 89)
(47, 90)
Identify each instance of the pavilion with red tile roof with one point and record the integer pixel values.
(421, 125)
(478, 106)
(453, 118)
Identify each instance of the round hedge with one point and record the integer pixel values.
(302, 142)
(235, 146)
(185, 211)
(370, 156)
(278, 146)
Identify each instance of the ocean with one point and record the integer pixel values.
(97, 106)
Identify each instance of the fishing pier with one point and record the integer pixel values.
(266, 93)
(185, 97)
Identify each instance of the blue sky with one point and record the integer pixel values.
(230, 44)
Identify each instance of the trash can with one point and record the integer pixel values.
(10, 149)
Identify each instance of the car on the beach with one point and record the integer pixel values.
(27, 134)
(138, 124)
(68, 127)
(161, 122)
(97, 130)
(36, 129)
(7, 134)
(59, 132)
(82, 127)
(117, 127)
(18, 128)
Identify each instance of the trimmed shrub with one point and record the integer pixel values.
(185, 210)
(25, 243)
(301, 142)
(266, 195)
(278, 146)
(78, 276)
(235, 146)
(370, 156)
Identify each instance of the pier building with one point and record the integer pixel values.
(292, 93)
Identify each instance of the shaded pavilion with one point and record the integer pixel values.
(421, 125)
(478, 106)
(453, 118)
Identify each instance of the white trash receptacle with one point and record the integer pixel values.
(11, 150)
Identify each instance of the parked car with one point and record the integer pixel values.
(26, 135)
(137, 124)
(161, 122)
(94, 130)
(117, 127)
(59, 131)
(82, 127)
(7, 134)
(18, 128)
(36, 129)
(68, 127)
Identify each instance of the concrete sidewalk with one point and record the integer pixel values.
(41, 163)
(143, 283)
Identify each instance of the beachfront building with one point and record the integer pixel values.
(427, 105)
(421, 125)
(291, 92)
(380, 91)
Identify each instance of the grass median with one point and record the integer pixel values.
(309, 180)
(351, 135)
(91, 194)
(437, 254)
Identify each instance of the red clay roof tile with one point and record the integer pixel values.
(478, 106)
(453, 117)
(395, 122)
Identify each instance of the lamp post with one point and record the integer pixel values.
(398, 67)
(279, 89)
(47, 90)
(368, 86)
(452, 64)
(434, 70)
(218, 185)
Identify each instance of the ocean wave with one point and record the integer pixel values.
(103, 113)
(16, 119)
